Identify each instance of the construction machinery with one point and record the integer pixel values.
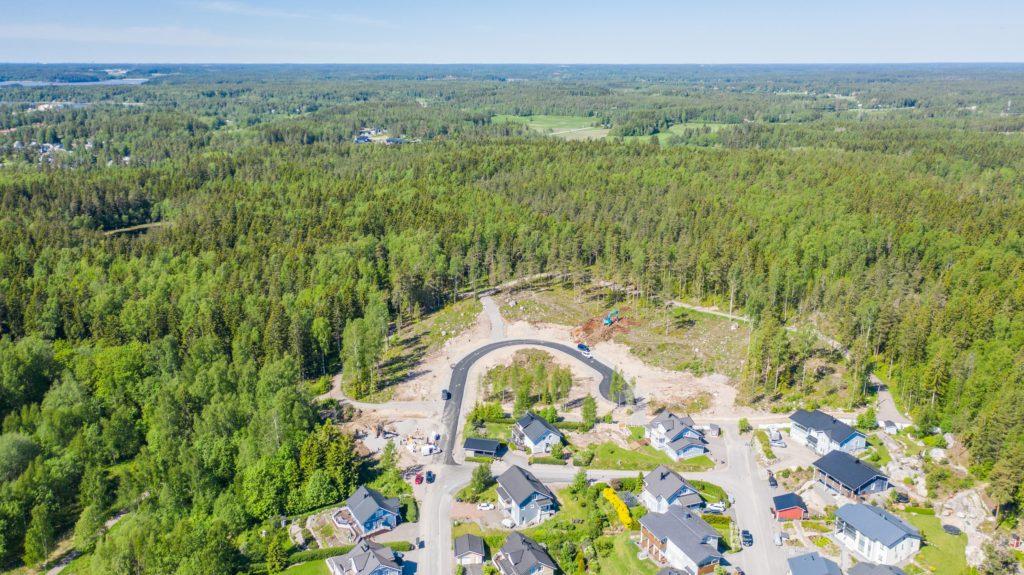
(612, 317)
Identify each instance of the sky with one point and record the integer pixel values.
(518, 31)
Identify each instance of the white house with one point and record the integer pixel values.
(524, 497)
(677, 436)
(824, 433)
(876, 535)
(469, 550)
(681, 539)
(664, 488)
(533, 433)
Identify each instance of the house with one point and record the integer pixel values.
(875, 534)
(521, 555)
(479, 447)
(813, 564)
(680, 539)
(849, 476)
(872, 569)
(524, 497)
(789, 506)
(670, 571)
(366, 558)
(664, 488)
(677, 436)
(469, 550)
(533, 433)
(367, 513)
(824, 433)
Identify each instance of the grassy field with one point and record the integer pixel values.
(308, 568)
(566, 127)
(678, 129)
(941, 553)
(676, 340)
(623, 559)
(611, 456)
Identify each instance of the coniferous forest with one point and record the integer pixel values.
(162, 369)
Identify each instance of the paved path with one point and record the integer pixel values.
(457, 387)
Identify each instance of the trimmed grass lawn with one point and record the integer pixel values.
(567, 127)
(942, 553)
(622, 558)
(610, 455)
(308, 568)
(493, 538)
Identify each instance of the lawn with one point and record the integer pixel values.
(567, 127)
(878, 453)
(610, 455)
(308, 568)
(941, 553)
(623, 559)
(493, 538)
(678, 129)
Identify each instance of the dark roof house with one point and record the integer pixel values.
(834, 429)
(788, 501)
(519, 485)
(521, 555)
(849, 475)
(366, 558)
(480, 445)
(680, 531)
(535, 428)
(813, 564)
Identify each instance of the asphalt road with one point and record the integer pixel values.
(457, 386)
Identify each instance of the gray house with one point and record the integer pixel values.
(679, 538)
(367, 513)
(535, 434)
(664, 488)
(849, 476)
(366, 558)
(824, 433)
(813, 564)
(677, 436)
(521, 555)
(524, 497)
(875, 534)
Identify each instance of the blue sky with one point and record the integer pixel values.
(550, 31)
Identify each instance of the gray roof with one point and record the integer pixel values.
(872, 569)
(876, 523)
(469, 543)
(813, 564)
(367, 556)
(519, 484)
(536, 427)
(684, 442)
(847, 469)
(663, 482)
(521, 555)
(686, 530)
(671, 422)
(832, 428)
(672, 571)
(365, 502)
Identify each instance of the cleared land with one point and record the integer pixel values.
(565, 127)
(679, 130)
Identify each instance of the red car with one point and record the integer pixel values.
(419, 478)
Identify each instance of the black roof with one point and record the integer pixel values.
(836, 430)
(481, 444)
(847, 469)
(788, 501)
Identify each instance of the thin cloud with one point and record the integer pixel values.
(247, 9)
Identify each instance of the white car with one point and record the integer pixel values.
(485, 506)
(508, 523)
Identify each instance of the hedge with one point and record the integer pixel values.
(547, 460)
(328, 552)
(573, 425)
(919, 510)
(479, 459)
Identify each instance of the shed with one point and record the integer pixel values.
(480, 447)
(788, 506)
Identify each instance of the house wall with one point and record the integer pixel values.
(676, 558)
(790, 514)
(653, 503)
(651, 544)
(875, 551)
(469, 559)
(544, 446)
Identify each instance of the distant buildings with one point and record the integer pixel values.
(664, 488)
(677, 436)
(824, 433)
(524, 497)
(680, 539)
(533, 433)
(875, 534)
(849, 476)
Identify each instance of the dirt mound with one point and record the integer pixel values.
(594, 329)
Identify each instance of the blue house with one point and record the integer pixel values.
(677, 436)
(367, 513)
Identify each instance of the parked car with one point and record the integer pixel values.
(951, 529)
(778, 443)
(746, 538)
(430, 477)
(772, 482)
(901, 497)
(485, 506)
(508, 523)
(715, 508)
(584, 350)
(445, 395)
(778, 539)
(418, 479)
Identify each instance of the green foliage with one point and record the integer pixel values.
(766, 448)
(868, 420)
(481, 480)
(589, 412)
(486, 412)
(40, 537)
(745, 426)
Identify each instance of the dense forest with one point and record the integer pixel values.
(162, 371)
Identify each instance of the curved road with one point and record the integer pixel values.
(452, 409)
